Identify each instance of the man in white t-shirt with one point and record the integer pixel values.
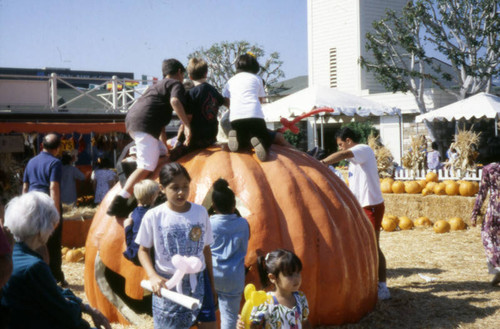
(365, 185)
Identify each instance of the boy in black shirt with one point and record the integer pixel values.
(203, 102)
(145, 122)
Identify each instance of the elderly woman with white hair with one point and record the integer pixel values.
(31, 297)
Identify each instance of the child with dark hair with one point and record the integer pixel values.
(246, 92)
(177, 227)
(433, 157)
(145, 122)
(69, 175)
(288, 307)
(145, 192)
(231, 234)
(203, 102)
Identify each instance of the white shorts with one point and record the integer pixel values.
(149, 149)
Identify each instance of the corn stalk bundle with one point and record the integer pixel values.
(466, 142)
(11, 173)
(415, 158)
(383, 155)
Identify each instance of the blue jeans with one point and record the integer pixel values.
(229, 307)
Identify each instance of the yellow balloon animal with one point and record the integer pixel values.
(253, 298)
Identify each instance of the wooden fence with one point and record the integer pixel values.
(443, 174)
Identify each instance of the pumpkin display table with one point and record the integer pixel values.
(291, 201)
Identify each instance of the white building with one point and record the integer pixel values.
(336, 40)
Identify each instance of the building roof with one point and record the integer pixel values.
(288, 87)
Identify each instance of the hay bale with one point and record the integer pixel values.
(433, 206)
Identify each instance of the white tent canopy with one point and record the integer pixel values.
(481, 105)
(318, 96)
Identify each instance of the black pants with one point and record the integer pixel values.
(54, 248)
(252, 127)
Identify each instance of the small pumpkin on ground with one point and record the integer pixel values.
(423, 222)
(74, 255)
(405, 223)
(441, 226)
(457, 224)
(398, 187)
(389, 224)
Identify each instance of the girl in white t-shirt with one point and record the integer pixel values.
(183, 228)
(245, 92)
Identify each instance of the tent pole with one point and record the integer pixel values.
(322, 133)
(400, 137)
(496, 126)
(315, 133)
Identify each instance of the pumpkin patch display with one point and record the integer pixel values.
(405, 223)
(291, 201)
(441, 226)
(423, 222)
(457, 224)
(398, 187)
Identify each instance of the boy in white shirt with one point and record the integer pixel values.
(364, 183)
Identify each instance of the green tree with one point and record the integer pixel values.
(466, 32)
(222, 56)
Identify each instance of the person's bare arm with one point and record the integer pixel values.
(55, 194)
(179, 110)
(157, 281)
(337, 156)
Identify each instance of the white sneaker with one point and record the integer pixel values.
(383, 291)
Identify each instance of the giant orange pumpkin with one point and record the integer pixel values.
(291, 201)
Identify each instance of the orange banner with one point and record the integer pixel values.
(61, 127)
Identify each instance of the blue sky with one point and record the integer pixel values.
(135, 36)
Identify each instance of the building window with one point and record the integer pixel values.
(333, 67)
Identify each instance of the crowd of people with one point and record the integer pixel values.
(160, 223)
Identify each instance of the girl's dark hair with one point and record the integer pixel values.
(66, 158)
(171, 170)
(223, 197)
(247, 63)
(276, 262)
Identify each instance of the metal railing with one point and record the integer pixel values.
(69, 94)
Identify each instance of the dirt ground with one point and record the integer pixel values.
(436, 281)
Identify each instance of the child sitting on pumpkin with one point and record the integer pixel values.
(145, 192)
